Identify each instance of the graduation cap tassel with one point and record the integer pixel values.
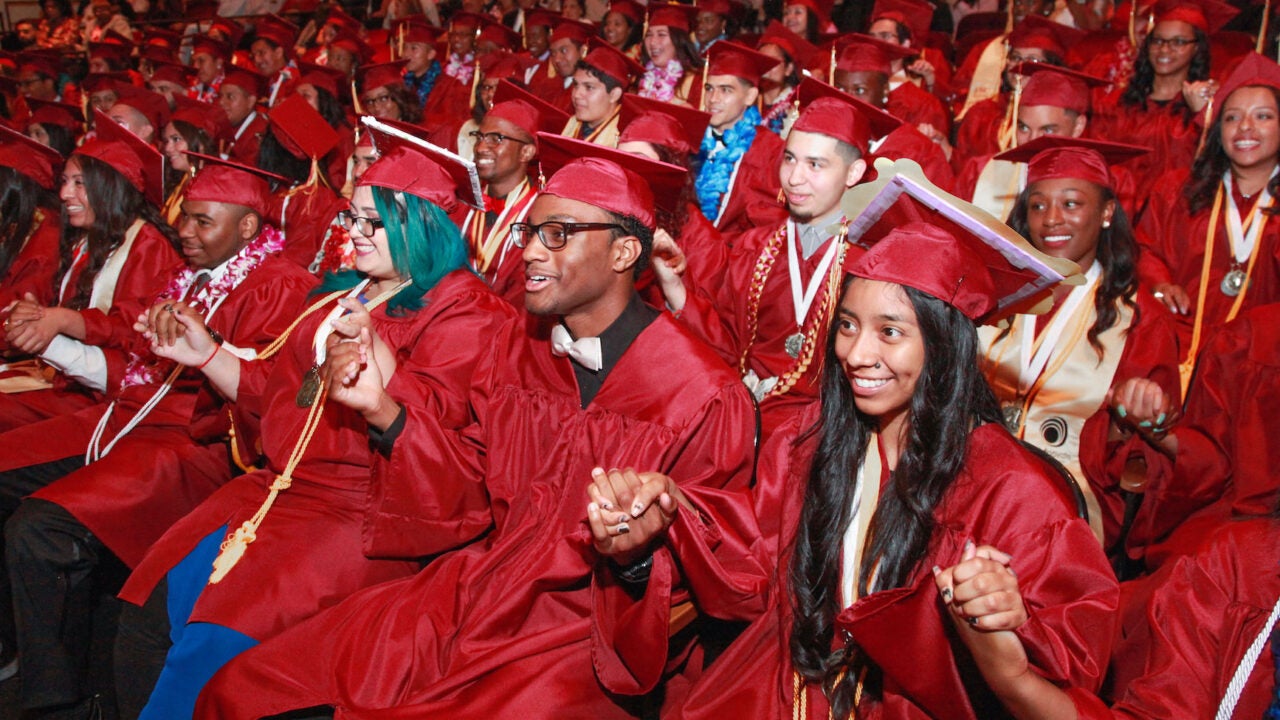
(1262, 33)
(1204, 133)
(831, 67)
(475, 83)
(1008, 127)
(400, 41)
(355, 99)
(1133, 24)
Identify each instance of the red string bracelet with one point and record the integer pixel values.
(210, 359)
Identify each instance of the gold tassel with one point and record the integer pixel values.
(831, 68)
(475, 83)
(1262, 33)
(355, 99)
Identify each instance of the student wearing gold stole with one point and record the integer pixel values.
(1094, 384)
(505, 145)
(1209, 249)
(599, 81)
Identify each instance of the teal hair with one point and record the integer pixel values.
(437, 248)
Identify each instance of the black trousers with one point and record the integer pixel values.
(53, 562)
(142, 641)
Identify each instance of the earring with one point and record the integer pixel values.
(1106, 224)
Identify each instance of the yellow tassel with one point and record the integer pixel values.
(232, 550)
(1262, 33)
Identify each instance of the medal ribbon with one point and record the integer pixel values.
(802, 295)
(1242, 237)
(487, 241)
(1036, 348)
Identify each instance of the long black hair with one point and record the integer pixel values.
(60, 138)
(1144, 73)
(20, 197)
(197, 140)
(1212, 163)
(951, 398)
(1117, 253)
(275, 158)
(116, 204)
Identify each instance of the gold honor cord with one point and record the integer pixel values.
(234, 547)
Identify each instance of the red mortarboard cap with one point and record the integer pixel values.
(1253, 69)
(1036, 32)
(719, 7)
(831, 111)
(157, 53)
(632, 10)
(48, 112)
(209, 46)
(539, 17)
(609, 61)
(416, 30)
(40, 63)
(342, 20)
(277, 31)
(322, 77)
(171, 72)
(381, 75)
(800, 50)
(407, 163)
(678, 127)
(138, 162)
(301, 129)
(609, 179)
(498, 34)
(730, 58)
(210, 118)
(97, 82)
(152, 105)
(159, 37)
(935, 262)
(1207, 16)
(526, 110)
(1057, 156)
(110, 51)
(864, 53)
(1056, 86)
(915, 15)
(502, 65)
(672, 15)
(349, 41)
(299, 7)
(223, 181)
(29, 157)
(248, 80)
(466, 19)
(575, 30)
(231, 29)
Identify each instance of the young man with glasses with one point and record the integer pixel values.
(518, 616)
(504, 148)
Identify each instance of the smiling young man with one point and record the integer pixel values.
(504, 148)
(504, 625)
(238, 95)
(736, 185)
(769, 317)
(599, 80)
(158, 448)
(208, 58)
(568, 44)
(272, 52)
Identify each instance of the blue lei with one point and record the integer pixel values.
(422, 84)
(716, 170)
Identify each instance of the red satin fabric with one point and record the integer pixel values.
(308, 550)
(245, 150)
(1160, 127)
(906, 142)
(505, 624)
(753, 197)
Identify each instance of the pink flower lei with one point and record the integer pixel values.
(145, 368)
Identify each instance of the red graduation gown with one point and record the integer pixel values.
(1160, 127)
(175, 457)
(503, 625)
(1003, 497)
(308, 550)
(908, 142)
(151, 257)
(245, 149)
(1172, 243)
(978, 133)
(753, 195)
(1227, 452)
(1206, 611)
(914, 105)
(33, 269)
(307, 215)
(448, 103)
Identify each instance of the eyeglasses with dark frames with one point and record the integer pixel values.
(366, 226)
(1176, 43)
(553, 233)
(494, 138)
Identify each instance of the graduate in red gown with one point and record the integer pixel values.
(406, 308)
(1161, 107)
(503, 623)
(568, 45)
(1208, 645)
(238, 94)
(102, 279)
(768, 314)
(1094, 384)
(29, 239)
(901, 471)
(1209, 250)
(505, 148)
(737, 182)
(156, 449)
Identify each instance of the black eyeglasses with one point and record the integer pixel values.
(493, 138)
(553, 234)
(378, 100)
(1175, 43)
(363, 225)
